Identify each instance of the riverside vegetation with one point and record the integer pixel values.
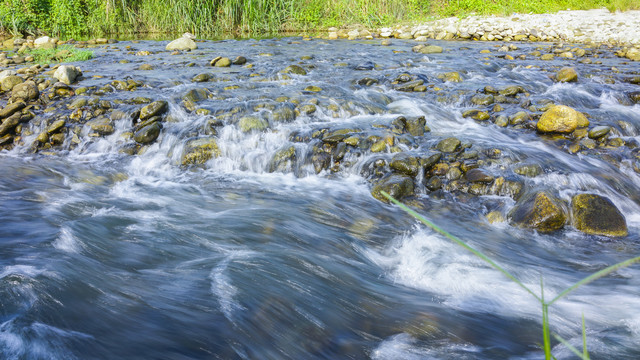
(68, 18)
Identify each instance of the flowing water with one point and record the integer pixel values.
(105, 255)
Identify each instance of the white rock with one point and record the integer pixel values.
(67, 74)
(182, 43)
(44, 42)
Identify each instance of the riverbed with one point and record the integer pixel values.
(247, 228)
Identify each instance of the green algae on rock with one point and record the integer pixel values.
(597, 215)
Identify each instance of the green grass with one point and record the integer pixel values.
(61, 54)
(546, 332)
(73, 18)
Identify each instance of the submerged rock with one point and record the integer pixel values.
(540, 211)
(199, 151)
(294, 69)
(250, 123)
(597, 215)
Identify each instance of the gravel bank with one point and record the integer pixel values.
(579, 26)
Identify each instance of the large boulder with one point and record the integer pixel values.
(540, 211)
(398, 186)
(25, 91)
(183, 43)
(67, 74)
(558, 119)
(597, 215)
(199, 151)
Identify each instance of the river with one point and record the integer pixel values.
(108, 255)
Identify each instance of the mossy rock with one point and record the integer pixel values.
(283, 160)
(101, 126)
(541, 211)
(405, 164)
(558, 119)
(284, 114)
(448, 145)
(431, 49)
(10, 109)
(567, 74)
(199, 151)
(251, 123)
(147, 134)
(25, 91)
(9, 82)
(398, 186)
(294, 69)
(482, 99)
(416, 126)
(597, 215)
(156, 108)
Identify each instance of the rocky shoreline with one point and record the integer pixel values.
(576, 26)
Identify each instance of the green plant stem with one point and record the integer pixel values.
(570, 347)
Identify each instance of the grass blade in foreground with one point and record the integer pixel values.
(596, 276)
(459, 242)
(570, 347)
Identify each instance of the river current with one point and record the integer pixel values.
(105, 255)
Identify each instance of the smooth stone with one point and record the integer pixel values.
(67, 74)
(156, 108)
(147, 134)
(448, 145)
(182, 44)
(599, 131)
(567, 74)
(10, 109)
(558, 119)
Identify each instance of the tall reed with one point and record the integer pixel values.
(545, 304)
